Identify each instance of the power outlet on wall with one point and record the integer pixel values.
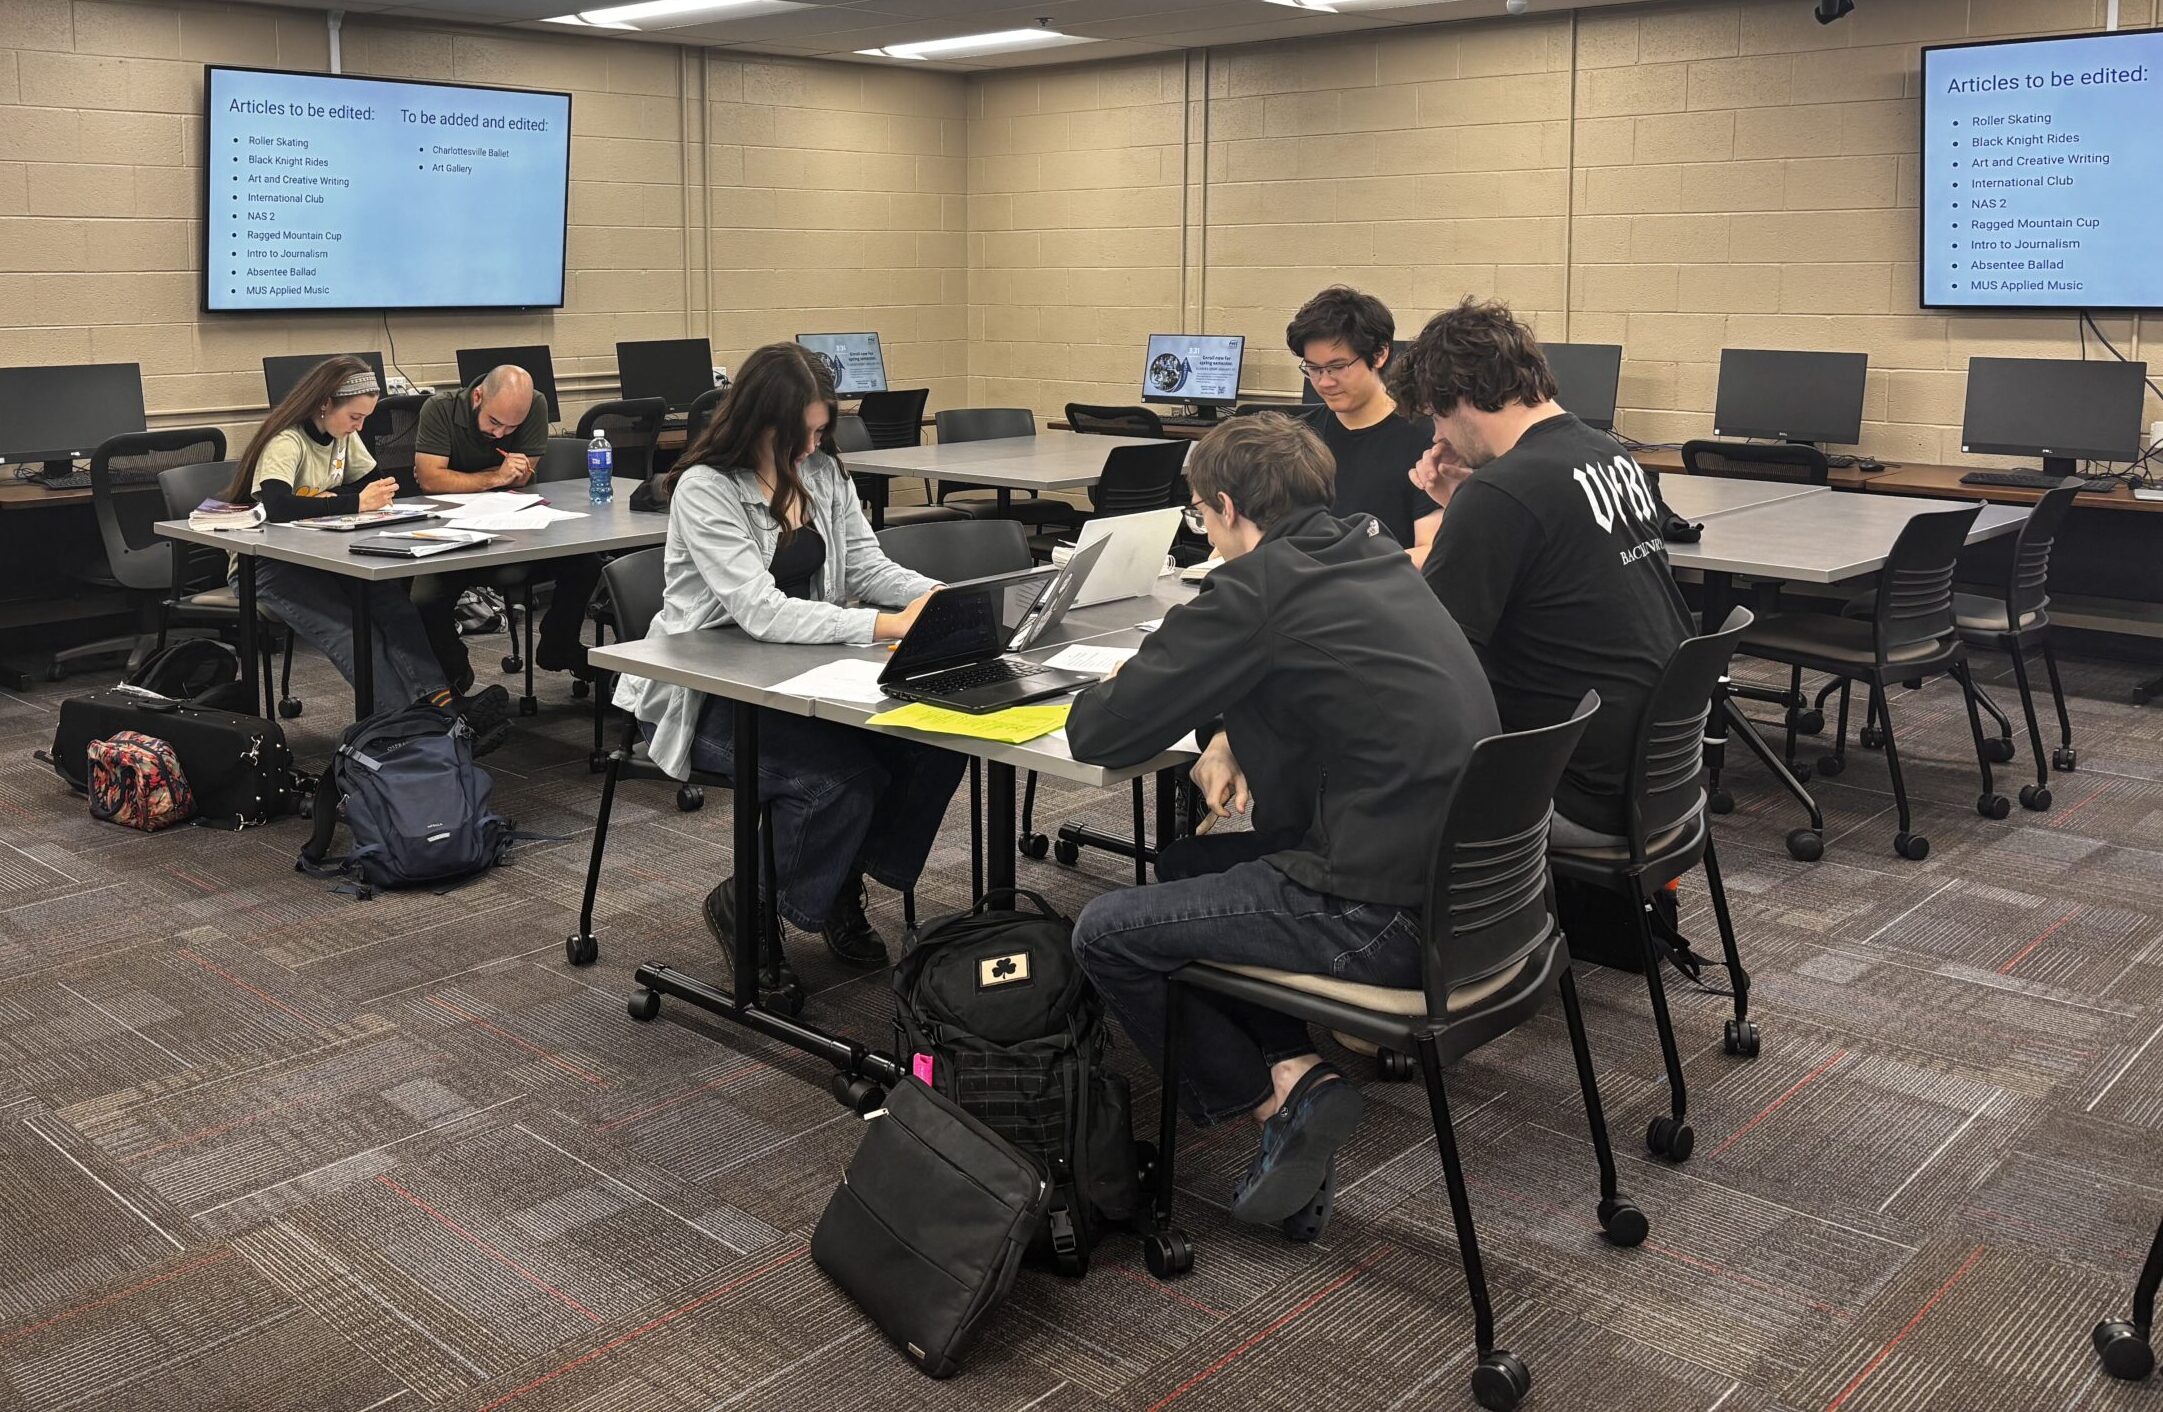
(397, 386)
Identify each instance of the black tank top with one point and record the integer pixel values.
(798, 562)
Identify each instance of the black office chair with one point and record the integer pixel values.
(852, 435)
(1756, 460)
(137, 560)
(2123, 1343)
(2017, 621)
(564, 459)
(1113, 421)
(633, 426)
(702, 408)
(1910, 634)
(958, 424)
(1135, 479)
(1669, 833)
(390, 432)
(952, 552)
(894, 418)
(200, 592)
(1491, 951)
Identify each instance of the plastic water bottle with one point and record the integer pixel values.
(600, 468)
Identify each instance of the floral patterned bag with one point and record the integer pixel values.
(136, 780)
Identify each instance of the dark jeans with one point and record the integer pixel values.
(436, 597)
(319, 606)
(844, 799)
(1249, 914)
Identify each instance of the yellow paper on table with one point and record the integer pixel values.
(1012, 726)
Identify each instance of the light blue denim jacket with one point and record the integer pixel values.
(717, 570)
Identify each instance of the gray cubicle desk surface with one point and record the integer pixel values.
(1055, 460)
(724, 662)
(1702, 497)
(1822, 538)
(599, 529)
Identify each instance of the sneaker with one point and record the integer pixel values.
(488, 716)
(849, 933)
(1299, 1143)
(1308, 1223)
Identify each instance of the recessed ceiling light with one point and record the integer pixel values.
(644, 13)
(964, 46)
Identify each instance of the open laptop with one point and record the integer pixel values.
(956, 653)
(1134, 550)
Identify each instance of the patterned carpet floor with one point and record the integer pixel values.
(263, 1146)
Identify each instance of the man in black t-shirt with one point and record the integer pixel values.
(1549, 555)
(1342, 340)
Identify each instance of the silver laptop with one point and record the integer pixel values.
(1133, 557)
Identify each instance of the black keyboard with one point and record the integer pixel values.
(79, 481)
(1187, 419)
(974, 675)
(2035, 480)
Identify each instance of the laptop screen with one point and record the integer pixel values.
(967, 622)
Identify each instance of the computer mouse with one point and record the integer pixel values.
(1867, 463)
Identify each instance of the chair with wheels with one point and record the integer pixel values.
(958, 424)
(1669, 833)
(1491, 953)
(2016, 621)
(633, 426)
(2123, 1344)
(137, 560)
(851, 435)
(1753, 460)
(391, 430)
(1113, 421)
(200, 592)
(1135, 479)
(894, 418)
(1910, 633)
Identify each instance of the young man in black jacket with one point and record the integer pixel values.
(1340, 699)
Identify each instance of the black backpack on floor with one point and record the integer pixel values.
(201, 671)
(996, 1014)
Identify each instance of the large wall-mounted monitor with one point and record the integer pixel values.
(2041, 168)
(324, 192)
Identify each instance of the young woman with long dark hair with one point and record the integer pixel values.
(307, 459)
(765, 532)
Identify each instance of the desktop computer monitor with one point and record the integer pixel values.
(675, 369)
(2061, 409)
(282, 373)
(853, 358)
(1310, 398)
(59, 415)
(1586, 376)
(533, 357)
(1788, 396)
(1197, 368)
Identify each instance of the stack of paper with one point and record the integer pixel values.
(225, 515)
(485, 502)
(850, 679)
(1083, 657)
(533, 517)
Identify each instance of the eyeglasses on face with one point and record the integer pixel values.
(1192, 514)
(1315, 372)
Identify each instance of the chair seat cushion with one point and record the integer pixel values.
(1620, 853)
(1810, 638)
(1975, 612)
(1380, 999)
(225, 598)
(923, 515)
(1028, 512)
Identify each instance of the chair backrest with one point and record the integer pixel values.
(564, 459)
(134, 553)
(2028, 588)
(1757, 460)
(634, 584)
(633, 426)
(894, 418)
(702, 407)
(851, 434)
(953, 550)
(1113, 421)
(184, 488)
(399, 422)
(1665, 783)
(1915, 588)
(1138, 478)
(985, 423)
(1488, 894)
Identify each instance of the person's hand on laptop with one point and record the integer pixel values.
(894, 626)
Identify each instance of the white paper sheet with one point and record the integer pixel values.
(1083, 657)
(849, 679)
(486, 502)
(1151, 626)
(533, 517)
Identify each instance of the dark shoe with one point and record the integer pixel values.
(720, 911)
(1309, 1221)
(1298, 1144)
(849, 933)
(564, 657)
(488, 716)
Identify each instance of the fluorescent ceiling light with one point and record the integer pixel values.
(681, 13)
(969, 45)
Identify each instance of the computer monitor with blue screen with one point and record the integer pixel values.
(853, 358)
(55, 416)
(1782, 395)
(1200, 369)
(2063, 410)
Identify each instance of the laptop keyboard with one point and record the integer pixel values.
(976, 674)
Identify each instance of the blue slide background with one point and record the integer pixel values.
(2119, 260)
(423, 196)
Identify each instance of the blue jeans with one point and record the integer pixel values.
(844, 800)
(319, 606)
(1249, 914)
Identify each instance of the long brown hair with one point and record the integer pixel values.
(771, 392)
(313, 393)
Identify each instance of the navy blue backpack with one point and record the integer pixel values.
(404, 784)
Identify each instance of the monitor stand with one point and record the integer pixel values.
(2063, 467)
(53, 470)
(1208, 412)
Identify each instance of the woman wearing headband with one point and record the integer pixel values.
(307, 459)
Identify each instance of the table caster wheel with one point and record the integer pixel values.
(1799, 770)
(581, 688)
(1033, 845)
(1624, 1223)
(645, 1005)
(1998, 750)
(1666, 1137)
(1807, 721)
(2124, 1350)
(690, 798)
(1994, 806)
(513, 663)
(783, 998)
(1722, 802)
(2065, 758)
(1830, 766)
(1740, 1038)
(1067, 852)
(1500, 1382)
(2035, 796)
(1394, 1065)
(856, 1093)
(288, 709)
(1911, 846)
(1806, 845)
(581, 949)
(1167, 1254)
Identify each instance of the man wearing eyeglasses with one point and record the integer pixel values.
(1342, 340)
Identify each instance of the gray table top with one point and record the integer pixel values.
(599, 529)
(1702, 497)
(1821, 538)
(1054, 460)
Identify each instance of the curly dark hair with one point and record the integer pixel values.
(1361, 321)
(1478, 352)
